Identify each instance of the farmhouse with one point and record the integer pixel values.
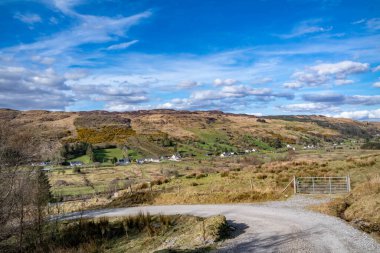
(227, 154)
(175, 158)
(76, 163)
(123, 161)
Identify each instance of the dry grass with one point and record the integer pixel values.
(361, 207)
(225, 180)
(146, 233)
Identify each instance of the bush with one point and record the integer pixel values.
(192, 175)
(76, 170)
(224, 173)
(199, 176)
(371, 145)
(261, 176)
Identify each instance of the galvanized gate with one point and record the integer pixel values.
(322, 185)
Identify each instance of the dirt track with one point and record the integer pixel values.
(283, 226)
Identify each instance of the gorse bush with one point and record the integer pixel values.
(104, 134)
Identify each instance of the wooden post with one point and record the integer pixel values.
(330, 184)
(348, 182)
(312, 179)
(251, 182)
(295, 184)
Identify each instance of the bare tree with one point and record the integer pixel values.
(23, 188)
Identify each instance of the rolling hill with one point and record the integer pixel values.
(162, 132)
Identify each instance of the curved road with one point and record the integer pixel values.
(282, 226)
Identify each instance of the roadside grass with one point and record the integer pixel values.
(138, 233)
(361, 207)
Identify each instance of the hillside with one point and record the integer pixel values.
(162, 132)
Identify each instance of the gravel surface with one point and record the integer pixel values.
(280, 226)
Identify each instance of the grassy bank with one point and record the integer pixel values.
(361, 207)
(140, 233)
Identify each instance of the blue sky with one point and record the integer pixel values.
(257, 57)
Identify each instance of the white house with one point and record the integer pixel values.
(227, 154)
(151, 160)
(175, 158)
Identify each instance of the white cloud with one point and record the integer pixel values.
(225, 82)
(376, 69)
(115, 95)
(373, 24)
(323, 73)
(91, 29)
(343, 81)
(342, 68)
(376, 84)
(306, 107)
(360, 21)
(28, 18)
(363, 100)
(76, 74)
(43, 60)
(258, 114)
(292, 85)
(127, 107)
(22, 88)
(360, 115)
(305, 78)
(262, 80)
(306, 27)
(65, 6)
(187, 84)
(122, 45)
(339, 99)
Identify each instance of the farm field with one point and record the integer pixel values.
(246, 178)
(249, 178)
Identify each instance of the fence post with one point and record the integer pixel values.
(330, 184)
(294, 184)
(348, 182)
(312, 179)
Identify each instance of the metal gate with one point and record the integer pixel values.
(322, 185)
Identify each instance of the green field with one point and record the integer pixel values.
(105, 156)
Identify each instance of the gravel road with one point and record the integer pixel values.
(281, 226)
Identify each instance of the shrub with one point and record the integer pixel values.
(192, 175)
(261, 176)
(371, 145)
(224, 173)
(199, 176)
(76, 170)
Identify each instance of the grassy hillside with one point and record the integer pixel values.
(162, 132)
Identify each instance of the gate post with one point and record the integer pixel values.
(348, 182)
(294, 184)
(330, 184)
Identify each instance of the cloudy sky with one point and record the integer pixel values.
(263, 57)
